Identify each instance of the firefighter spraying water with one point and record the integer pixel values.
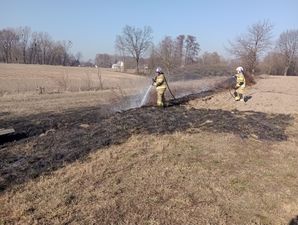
(160, 83)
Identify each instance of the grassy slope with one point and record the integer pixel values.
(190, 177)
(172, 179)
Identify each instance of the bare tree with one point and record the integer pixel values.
(210, 58)
(66, 45)
(120, 47)
(99, 76)
(272, 63)
(134, 41)
(57, 54)
(288, 47)
(152, 61)
(166, 52)
(34, 48)
(103, 60)
(45, 46)
(78, 56)
(20, 45)
(192, 49)
(249, 47)
(180, 49)
(8, 42)
(24, 34)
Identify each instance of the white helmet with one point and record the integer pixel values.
(158, 70)
(239, 69)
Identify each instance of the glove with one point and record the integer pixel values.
(153, 81)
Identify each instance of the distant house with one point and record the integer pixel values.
(119, 66)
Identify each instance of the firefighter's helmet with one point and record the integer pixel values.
(239, 69)
(158, 70)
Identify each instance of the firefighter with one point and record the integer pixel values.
(160, 83)
(240, 84)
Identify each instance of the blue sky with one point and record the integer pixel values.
(92, 25)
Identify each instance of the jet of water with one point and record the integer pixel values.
(144, 100)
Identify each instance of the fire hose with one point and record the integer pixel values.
(153, 79)
(169, 88)
(232, 88)
(230, 91)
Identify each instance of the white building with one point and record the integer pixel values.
(119, 66)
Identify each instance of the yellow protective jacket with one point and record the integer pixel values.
(240, 80)
(159, 81)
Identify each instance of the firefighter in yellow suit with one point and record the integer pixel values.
(160, 83)
(240, 84)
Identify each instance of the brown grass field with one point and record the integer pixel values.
(205, 159)
(18, 78)
(77, 87)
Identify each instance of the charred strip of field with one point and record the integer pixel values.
(187, 98)
(34, 125)
(71, 136)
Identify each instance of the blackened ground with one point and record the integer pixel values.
(53, 140)
(294, 221)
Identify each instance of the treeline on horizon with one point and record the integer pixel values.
(21, 45)
(255, 50)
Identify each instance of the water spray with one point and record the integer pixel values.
(146, 95)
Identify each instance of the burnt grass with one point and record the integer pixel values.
(45, 142)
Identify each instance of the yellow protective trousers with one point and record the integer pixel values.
(239, 93)
(160, 96)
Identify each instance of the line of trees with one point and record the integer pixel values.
(21, 45)
(251, 50)
(173, 53)
(255, 50)
(170, 53)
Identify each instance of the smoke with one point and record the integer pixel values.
(138, 96)
(143, 94)
(195, 86)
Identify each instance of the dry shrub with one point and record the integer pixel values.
(88, 81)
(63, 82)
(99, 76)
(119, 98)
(249, 78)
(200, 71)
(2, 93)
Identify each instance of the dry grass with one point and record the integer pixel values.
(19, 78)
(271, 94)
(69, 87)
(201, 178)
(207, 161)
(28, 104)
(65, 88)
